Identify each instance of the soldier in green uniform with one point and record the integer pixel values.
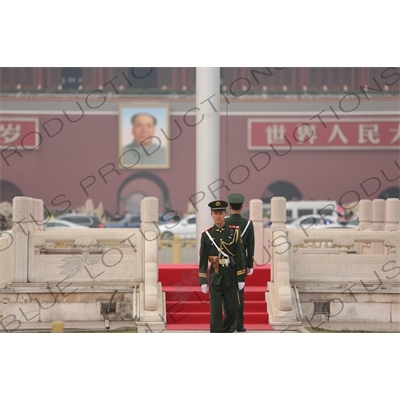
(222, 247)
(246, 227)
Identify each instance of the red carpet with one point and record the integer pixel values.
(188, 308)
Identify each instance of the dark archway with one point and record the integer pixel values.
(390, 193)
(281, 189)
(164, 202)
(8, 191)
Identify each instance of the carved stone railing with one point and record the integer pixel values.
(341, 264)
(329, 259)
(85, 257)
(87, 261)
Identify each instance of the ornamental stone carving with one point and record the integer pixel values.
(20, 208)
(39, 244)
(391, 244)
(392, 214)
(344, 243)
(149, 209)
(85, 243)
(365, 211)
(256, 210)
(298, 243)
(378, 210)
(278, 209)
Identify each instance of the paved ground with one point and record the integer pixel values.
(116, 326)
(358, 326)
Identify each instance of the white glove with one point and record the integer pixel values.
(240, 285)
(204, 288)
(250, 271)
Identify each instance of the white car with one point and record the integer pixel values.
(311, 221)
(54, 224)
(63, 224)
(185, 228)
(336, 226)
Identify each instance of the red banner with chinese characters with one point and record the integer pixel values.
(20, 132)
(312, 133)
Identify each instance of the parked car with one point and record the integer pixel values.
(89, 220)
(129, 221)
(300, 208)
(55, 223)
(186, 228)
(311, 221)
(353, 222)
(63, 224)
(335, 226)
(133, 221)
(267, 223)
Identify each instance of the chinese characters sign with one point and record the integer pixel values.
(362, 133)
(19, 132)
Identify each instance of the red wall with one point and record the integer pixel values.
(83, 148)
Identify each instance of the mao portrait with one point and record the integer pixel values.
(143, 132)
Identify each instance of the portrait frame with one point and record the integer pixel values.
(153, 152)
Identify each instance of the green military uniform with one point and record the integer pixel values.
(228, 269)
(247, 232)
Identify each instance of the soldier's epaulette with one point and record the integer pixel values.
(208, 229)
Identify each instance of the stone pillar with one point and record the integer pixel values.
(278, 213)
(34, 214)
(378, 223)
(278, 223)
(150, 232)
(6, 248)
(364, 224)
(20, 229)
(365, 215)
(38, 214)
(392, 215)
(279, 295)
(256, 216)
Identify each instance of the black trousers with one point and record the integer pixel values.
(239, 321)
(223, 295)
